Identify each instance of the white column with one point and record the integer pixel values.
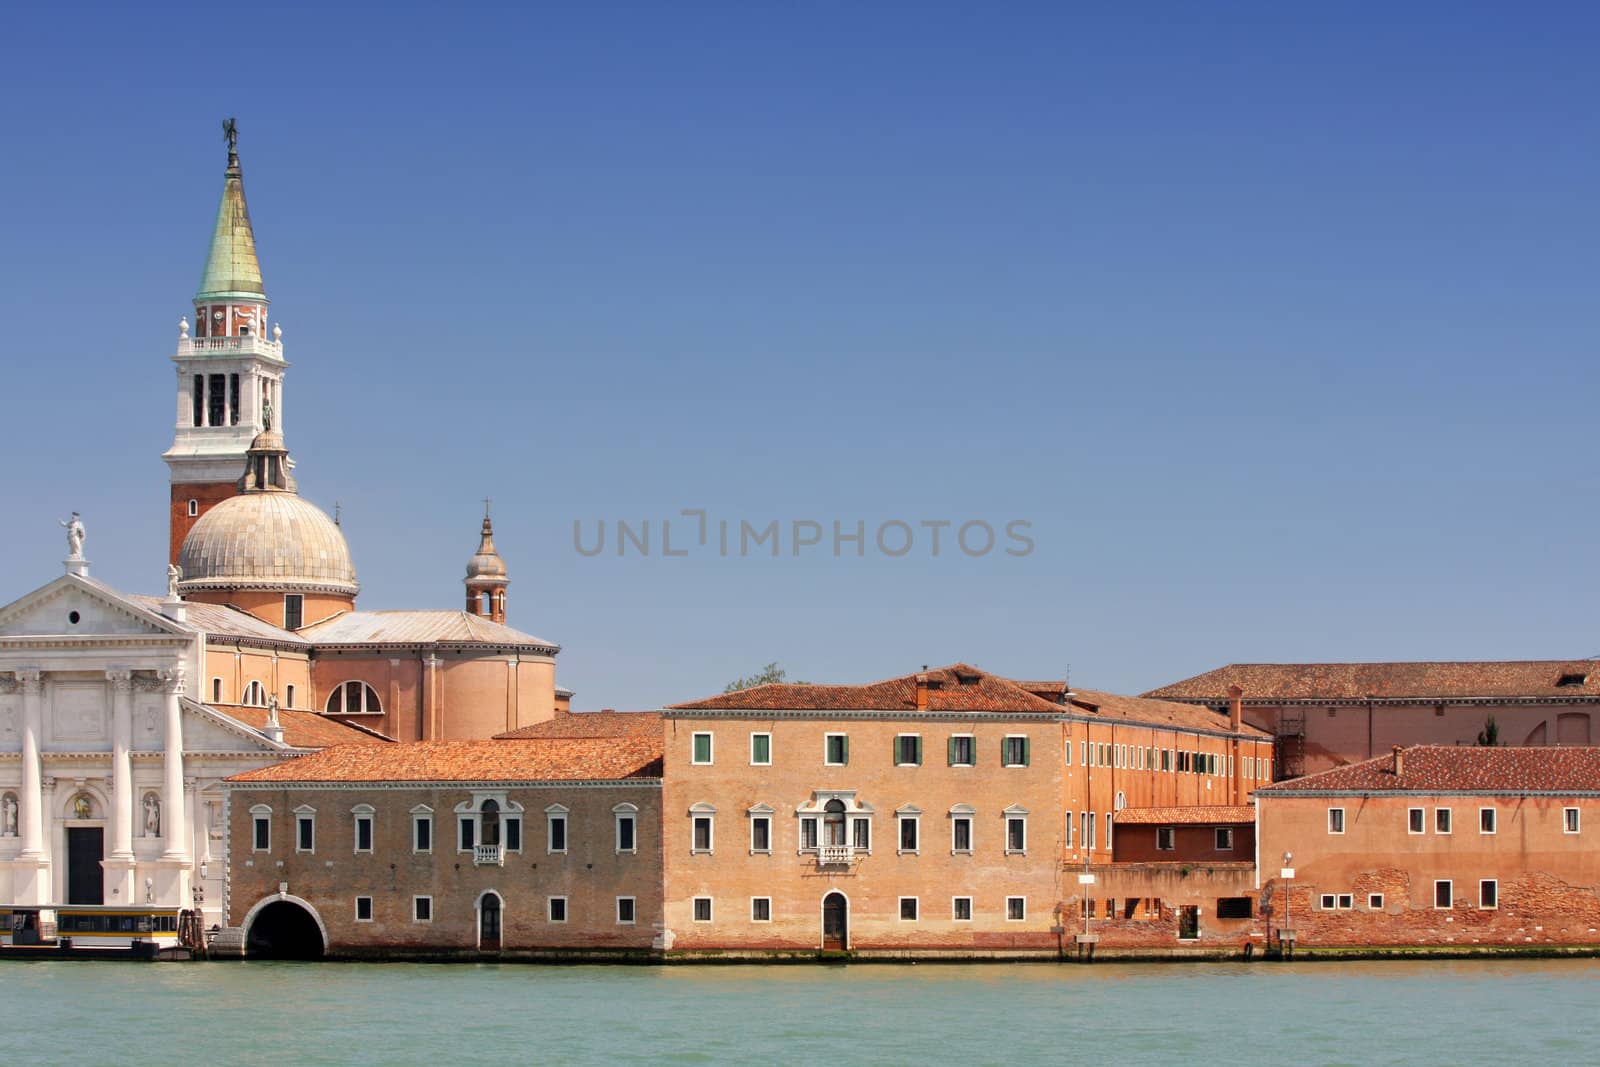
(172, 811)
(197, 822)
(32, 797)
(121, 763)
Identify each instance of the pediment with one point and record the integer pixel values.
(205, 730)
(72, 606)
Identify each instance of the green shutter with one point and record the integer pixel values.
(894, 754)
(1025, 747)
(844, 748)
(918, 746)
(950, 750)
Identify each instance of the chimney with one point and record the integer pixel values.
(1235, 708)
(1399, 761)
(922, 692)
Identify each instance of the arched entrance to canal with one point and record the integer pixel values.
(835, 923)
(284, 928)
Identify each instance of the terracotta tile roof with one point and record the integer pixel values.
(303, 729)
(591, 724)
(1050, 690)
(225, 621)
(416, 628)
(602, 759)
(1205, 815)
(1345, 681)
(1459, 769)
(957, 687)
(1146, 711)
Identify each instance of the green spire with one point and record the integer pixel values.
(232, 269)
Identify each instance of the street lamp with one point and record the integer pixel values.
(1287, 874)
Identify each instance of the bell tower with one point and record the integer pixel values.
(486, 578)
(230, 372)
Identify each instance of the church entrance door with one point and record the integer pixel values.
(85, 880)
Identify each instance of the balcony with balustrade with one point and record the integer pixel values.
(489, 855)
(229, 347)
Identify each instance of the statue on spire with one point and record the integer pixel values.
(230, 132)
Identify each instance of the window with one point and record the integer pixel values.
(305, 834)
(1488, 894)
(862, 832)
(701, 837)
(702, 749)
(1016, 909)
(1016, 833)
(1067, 833)
(1443, 894)
(760, 909)
(489, 822)
(908, 909)
(1014, 752)
(1328, 901)
(702, 909)
(961, 833)
(961, 909)
(1335, 820)
(363, 909)
(254, 695)
(760, 833)
(1108, 831)
(1165, 839)
(1346, 902)
(422, 909)
(627, 827)
(1414, 820)
(421, 829)
(363, 815)
(556, 908)
(1375, 901)
(1088, 829)
(1233, 908)
(963, 751)
(625, 911)
(1224, 839)
(512, 832)
(194, 507)
(1486, 820)
(760, 750)
(1441, 820)
(1569, 818)
(836, 749)
(354, 698)
(556, 829)
(294, 611)
(465, 833)
(908, 832)
(288, 696)
(261, 828)
(808, 832)
(908, 750)
(216, 690)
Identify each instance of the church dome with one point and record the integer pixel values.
(266, 541)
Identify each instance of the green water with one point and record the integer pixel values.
(1523, 1012)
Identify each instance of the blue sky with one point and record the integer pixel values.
(1278, 326)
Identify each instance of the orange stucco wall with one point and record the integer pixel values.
(230, 668)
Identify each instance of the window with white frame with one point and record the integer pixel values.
(255, 695)
(836, 749)
(363, 909)
(1224, 839)
(1416, 819)
(961, 909)
(760, 829)
(511, 832)
(556, 909)
(961, 829)
(625, 911)
(908, 909)
(305, 829)
(1486, 820)
(1335, 820)
(1088, 830)
(702, 909)
(216, 690)
(1569, 820)
(1166, 839)
(1108, 831)
(466, 832)
(555, 821)
(808, 831)
(353, 698)
(1488, 894)
(963, 750)
(363, 836)
(626, 818)
(422, 909)
(861, 833)
(700, 751)
(910, 820)
(1329, 902)
(1067, 838)
(1014, 751)
(701, 828)
(1016, 909)
(288, 695)
(1016, 831)
(261, 828)
(1442, 820)
(760, 909)
(1375, 901)
(908, 750)
(1346, 901)
(1443, 894)
(760, 750)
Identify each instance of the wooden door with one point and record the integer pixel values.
(489, 924)
(85, 879)
(835, 922)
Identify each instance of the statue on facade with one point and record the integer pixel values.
(74, 527)
(82, 806)
(173, 575)
(230, 132)
(152, 815)
(8, 816)
(266, 414)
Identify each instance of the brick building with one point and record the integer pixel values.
(546, 847)
(1324, 715)
(1437, 846)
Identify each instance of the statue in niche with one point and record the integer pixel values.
(152, 815)
(82, 806)
(74, 527)
(8, 816)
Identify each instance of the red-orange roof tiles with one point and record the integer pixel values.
(591, 724)
(1200, 815)
(954, 688)
(1458, 769)
(588, 759)
(1148, 711)
(1358, 681)
(304, 729)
